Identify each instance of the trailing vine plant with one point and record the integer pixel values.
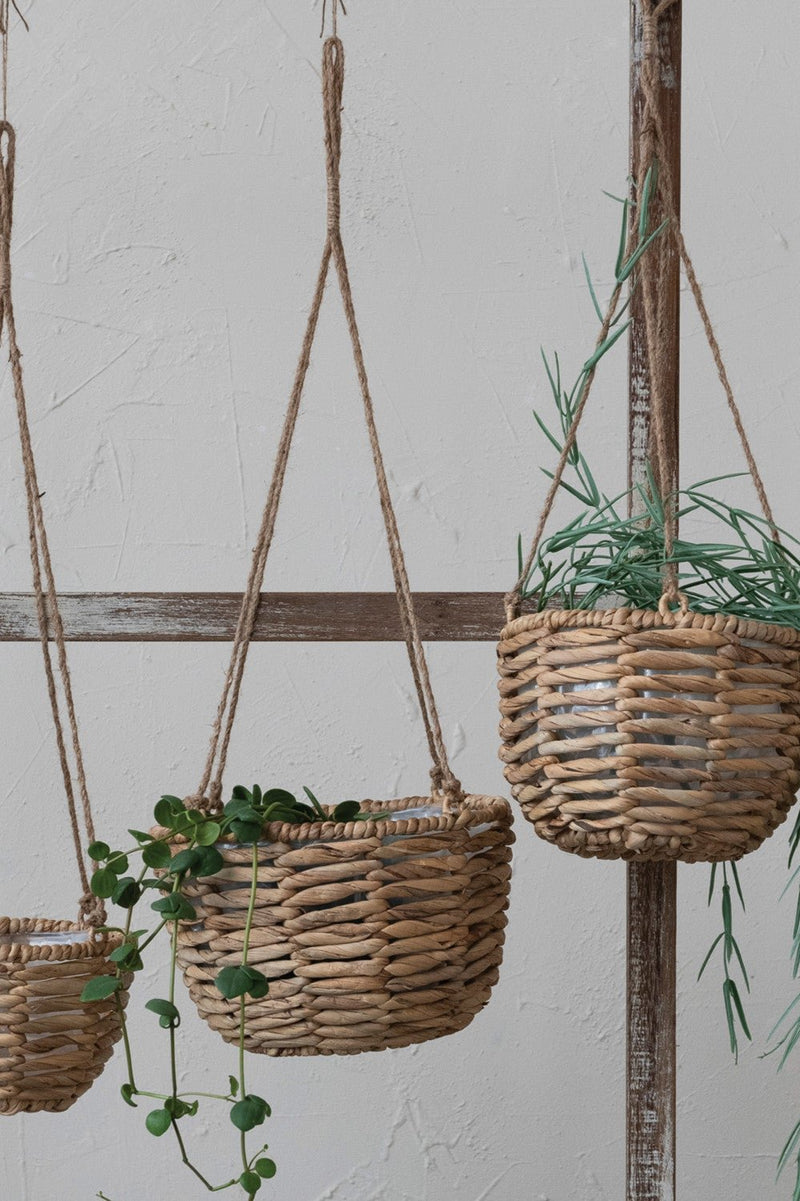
(163, 872)
(787, 1028)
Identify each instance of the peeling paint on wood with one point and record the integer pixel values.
(652, 887)
(282, 616)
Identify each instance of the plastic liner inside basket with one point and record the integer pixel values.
(63, 938)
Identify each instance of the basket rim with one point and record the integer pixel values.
(644, 619)
(476, 809)
(97, 946)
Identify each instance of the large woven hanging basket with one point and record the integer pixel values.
(373, 934)
(631, 734)
(52, 1044)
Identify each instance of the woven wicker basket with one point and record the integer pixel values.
(372, 934)
(52, 1044)
(636, 734)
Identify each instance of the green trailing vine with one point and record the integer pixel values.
(164, 872)
(787, 1028)
(731, 956)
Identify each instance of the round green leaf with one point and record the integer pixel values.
(174, 907)
(184, 861)
(165, 1010)
(167, 809)
(156, 855)
(250, 1182)
(99, 851)
(279, 796)
(158, 1121)
(100, 987)
(127, 956)
(207, 833)
(346, 811)
(266, 1168)
(126, 893)
(104, 881)
(118, 863)
(245, 830)
(210, 862)
(127, 1097)
(250, 1112)
(141, 836)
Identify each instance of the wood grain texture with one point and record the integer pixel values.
(652, 921)
(283, 616)
(652, 887)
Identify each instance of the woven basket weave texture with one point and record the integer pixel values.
(373, 934)
(52, 1044)
(633, 734)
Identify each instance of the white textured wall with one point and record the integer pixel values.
(168, 225)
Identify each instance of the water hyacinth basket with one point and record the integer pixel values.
(52, 1044)
(373, 934)
(633, 734)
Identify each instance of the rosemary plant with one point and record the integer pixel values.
(165, 872)
(731, 956)
(604, 551)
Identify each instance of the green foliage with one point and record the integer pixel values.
(242, 981)
(250, 1112)
(197, 835)
(100, 988)
(731, 956)
(158, 1121)
(604, 551)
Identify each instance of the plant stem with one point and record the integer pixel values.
(126, 1042)
(242, 1004)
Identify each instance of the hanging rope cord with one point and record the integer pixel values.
(653, 152)
(443, 781)
(91, 909)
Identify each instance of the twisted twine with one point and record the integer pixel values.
(443, 780)
(91, 910)
(653, 155)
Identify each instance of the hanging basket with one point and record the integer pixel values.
(631, 734)
(373, 934)
(52, 1044)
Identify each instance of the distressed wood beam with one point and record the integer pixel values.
(282, 616)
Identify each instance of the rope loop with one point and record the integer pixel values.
(443, 782)
(91, 909)
(672, 598)
(652, 153)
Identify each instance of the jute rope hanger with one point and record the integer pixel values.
(91, 909)
(653, 155)
(443, 780)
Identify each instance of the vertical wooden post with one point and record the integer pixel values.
(652, 887)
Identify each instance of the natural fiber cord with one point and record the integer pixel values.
(52, 1044)
(443, 780)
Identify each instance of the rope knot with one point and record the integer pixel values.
(92, 911)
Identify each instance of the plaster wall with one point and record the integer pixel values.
(169, 219)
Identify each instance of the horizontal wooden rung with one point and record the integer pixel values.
(282, 616)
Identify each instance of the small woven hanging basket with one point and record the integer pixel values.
(52, 1044)
(632, 734)
(373, 934)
